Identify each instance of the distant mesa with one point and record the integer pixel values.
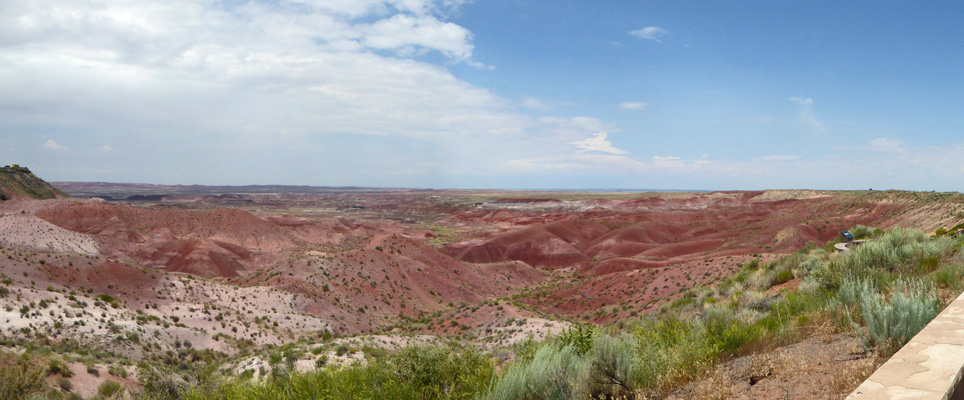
(18, 182)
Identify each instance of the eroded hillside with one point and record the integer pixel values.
(143, 278)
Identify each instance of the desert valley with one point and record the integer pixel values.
(256, 280)
(481, 200)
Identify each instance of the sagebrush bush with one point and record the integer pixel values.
(898, 250)
(891, 324)
(809, 285)
(579, 364)
(552, 373)
(865, 232)
(613, 367)
(852, 291)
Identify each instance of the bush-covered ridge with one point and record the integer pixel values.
(883, 292)
(18, 180)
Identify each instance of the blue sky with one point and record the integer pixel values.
(486, 94)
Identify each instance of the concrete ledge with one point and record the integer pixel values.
(928, 367)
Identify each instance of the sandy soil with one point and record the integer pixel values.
(26, 230)
(821, 367)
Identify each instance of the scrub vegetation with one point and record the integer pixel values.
(21, 181)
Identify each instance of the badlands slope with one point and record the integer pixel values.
(142, 278)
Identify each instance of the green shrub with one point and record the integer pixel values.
(65, 384)
(950, 276)
(580, 363)
(162, 384)
(865, 232)
(579, 337)
(891, 324)
(108, 388)
(670, 352)
(21, 380)
(783, 277)
(613, 367)
(54, 367)
(106, 298)
(852, 291)
(553, 373)
(439, 371)
(117, 370)
(418, 372)
(897, 251)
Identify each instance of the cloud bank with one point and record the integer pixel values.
(204, 83)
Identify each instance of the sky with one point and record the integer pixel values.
(683, 95)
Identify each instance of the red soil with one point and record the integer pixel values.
(203, 257)
(649, 249)
(625, 255)
(135, 224)
(551, 245)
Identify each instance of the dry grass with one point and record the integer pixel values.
(853, 375)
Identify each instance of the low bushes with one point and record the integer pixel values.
(417, 372)
(893, 322)
(109, 388)
(603, 367)
(21, 380)
(892, 300)
(885, 291)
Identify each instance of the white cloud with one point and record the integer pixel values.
(779, 157)
(597, 143)
(805, 114)
(406, 33)
(633, 106)
(534, 103)
(360, 8)
(542, 104)
(577, 163)
(105, 148)
(615, 164)
(249, 67)
(52, 145)
(572, 128)
(667, 161)
(887, 145)
(653, 33)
